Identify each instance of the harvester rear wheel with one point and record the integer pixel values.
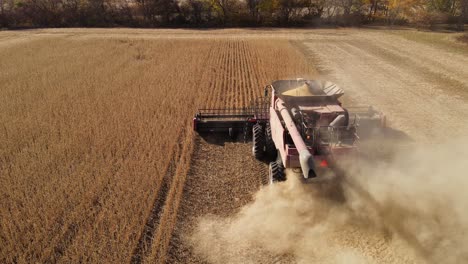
(276, 172)
(258, 139)
(270, 148)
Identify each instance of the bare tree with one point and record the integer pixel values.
(3, 18)
(254, 10)
(290, 9)
(196, 12)
(314, 7)
(156, 12)
(463, 15)
(224, 8)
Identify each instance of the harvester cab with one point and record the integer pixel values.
(299, 124)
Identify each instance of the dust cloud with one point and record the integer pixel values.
(411, 207)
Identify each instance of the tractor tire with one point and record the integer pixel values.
(270, 147)
(276, 172)
(258, 140)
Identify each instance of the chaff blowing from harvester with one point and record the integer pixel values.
(299, 124)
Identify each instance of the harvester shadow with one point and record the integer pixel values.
(380, 147)
(220, 138)
(386, 133)
(375, 146)
(390, 215)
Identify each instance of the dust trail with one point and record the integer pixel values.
(412, 208)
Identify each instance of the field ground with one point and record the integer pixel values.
(98, 162)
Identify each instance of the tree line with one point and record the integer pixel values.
(228, 13)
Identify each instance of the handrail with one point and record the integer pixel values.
(259, 108)
(335, 135)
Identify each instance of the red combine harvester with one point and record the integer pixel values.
(302, 125)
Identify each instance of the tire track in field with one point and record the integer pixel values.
(237, 93)
(235, 97)
(146, 238)
(242, 67)
(237, 82)
(244, 89)
(156, 246)
(215, 81)
(221, 99)
(73, 229)
(233, 83)
(246, 80)
(442, 80)
(240, 78)
(211, 84)
(392, 86)
(255, 76)
(65, 241)
(252, 78)
(229, 78)
(437, 60)
(245, 77)
(261, 75)
(169, 211)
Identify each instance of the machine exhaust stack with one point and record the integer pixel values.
(305, 157)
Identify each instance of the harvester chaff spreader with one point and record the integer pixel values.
(299, 124)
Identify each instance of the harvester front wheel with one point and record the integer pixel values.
(276, 172)
(258, 140)
(270, 148)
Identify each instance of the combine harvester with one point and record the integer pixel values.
(301, 125)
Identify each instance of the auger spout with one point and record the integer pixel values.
(306, 159)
